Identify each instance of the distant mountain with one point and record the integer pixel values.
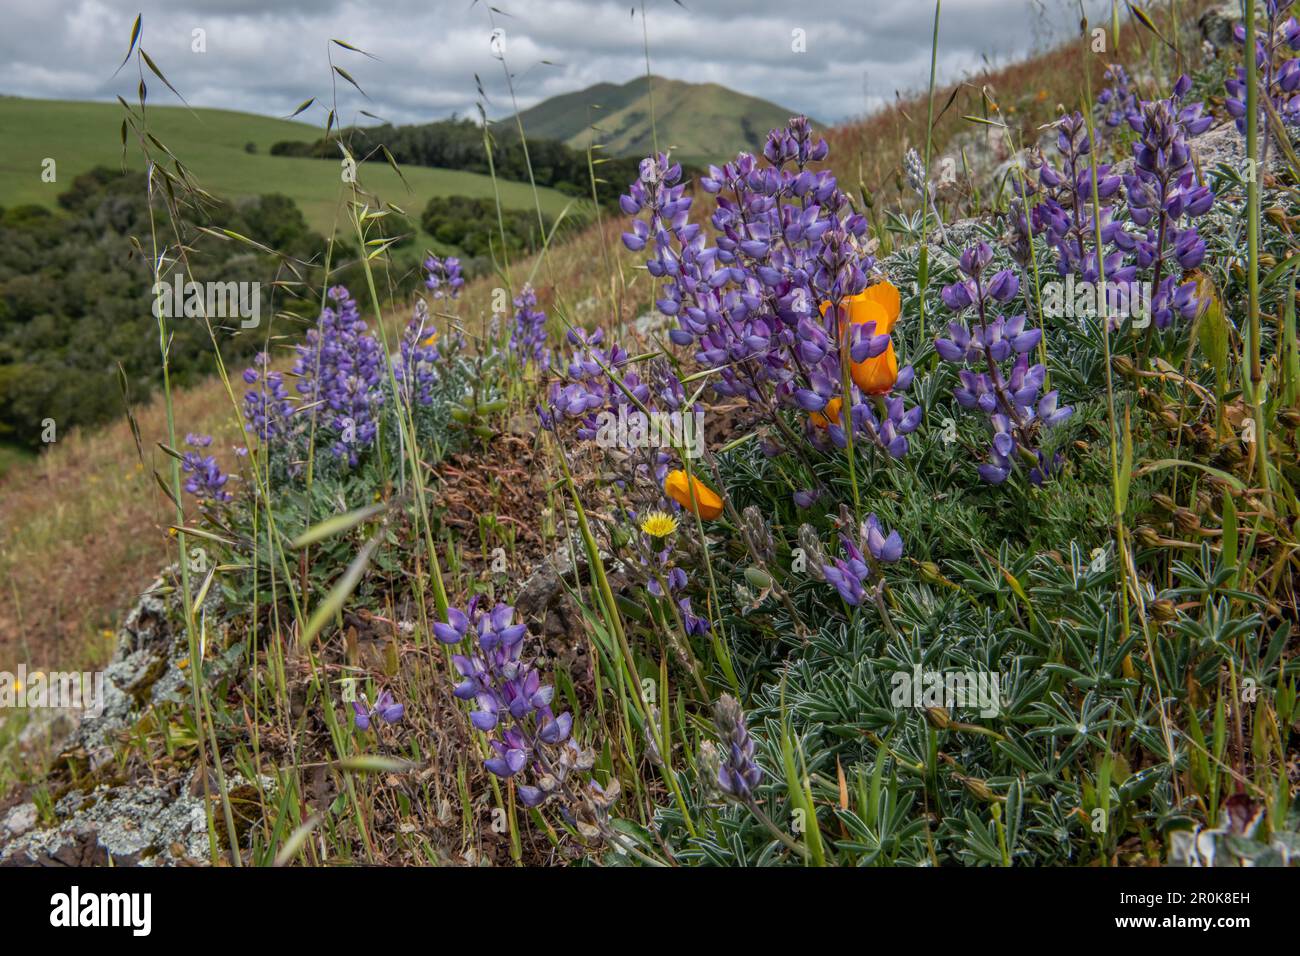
(699, 121)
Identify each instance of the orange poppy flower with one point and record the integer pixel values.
(876, 376)
(828, 415)
(678, 486)
(881, 304)
(883, 294)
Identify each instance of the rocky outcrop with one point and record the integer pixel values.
(122, 822)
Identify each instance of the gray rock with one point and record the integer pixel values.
(19, 819)
(1216, 25)
(135, 823)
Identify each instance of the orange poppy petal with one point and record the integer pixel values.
(886, 294)
(706, 503)
(831, 413)
(876, 376)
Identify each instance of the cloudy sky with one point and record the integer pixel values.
(267, 56)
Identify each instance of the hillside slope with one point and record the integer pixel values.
(73, 566)
(213, 143)
(697, 120)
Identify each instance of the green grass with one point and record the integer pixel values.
(10, 456)
(80, 136)
(700, 122)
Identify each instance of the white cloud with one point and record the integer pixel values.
(266, 57)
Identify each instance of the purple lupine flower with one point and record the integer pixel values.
(528, 338)
(341, 367)
(1064, 214)
(1118, 103)
(738, 771)
(852, 574)
(444, 278)
(206, 480)
(1164, 196)
(267, 408)
(765, 303)
(385, 709)
(415, 367)
(1009, 398)
(675, 578)
(886, 548)
(805, 498)
(1277, 70)
(511, 702)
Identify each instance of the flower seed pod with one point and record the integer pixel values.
(938, 717)
(813, 553)
(757, 532)
(1186, 520)
(1163, 610)
(1147, 536)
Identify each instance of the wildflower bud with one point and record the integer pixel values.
(1186, 520)
(1164, 610)
(1147, 536)
(652, 748)
(930, 572)
(1165, 502)
(938, 717)
(978, 788)
(1290, 417)
(812, 549)
(757, 532)
(710, 764)
(739, 773)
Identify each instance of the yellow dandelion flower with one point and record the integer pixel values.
(658, 524)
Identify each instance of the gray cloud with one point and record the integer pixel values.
(266, 56)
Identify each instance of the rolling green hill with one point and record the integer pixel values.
(698, 121)
(81, 135)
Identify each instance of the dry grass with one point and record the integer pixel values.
(83, 528)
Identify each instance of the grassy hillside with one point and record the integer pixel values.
(70, 592)
(80, 136)
(933, 607)
(697, 120)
